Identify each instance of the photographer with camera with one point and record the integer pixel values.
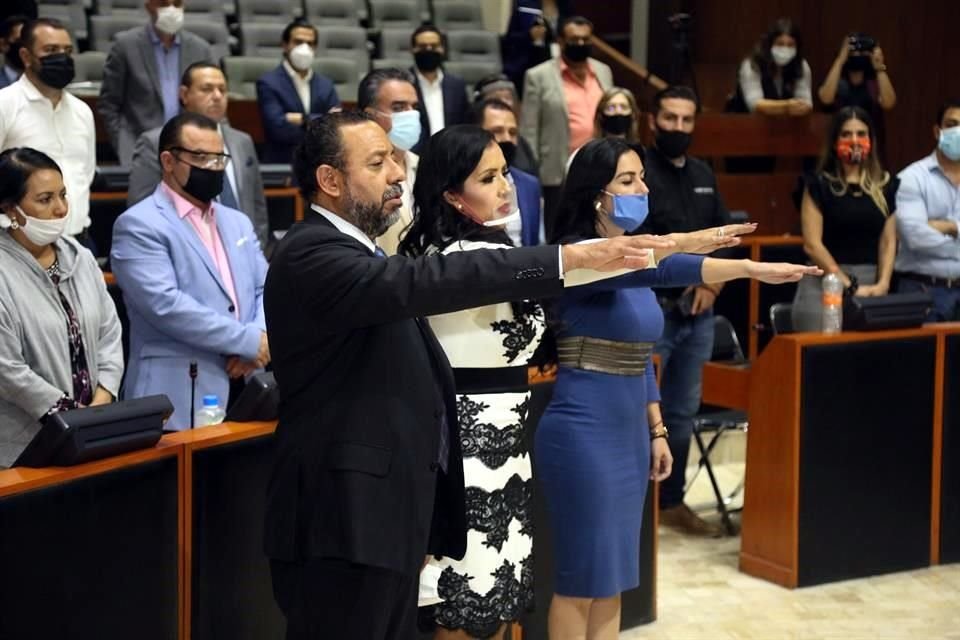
(858, 77)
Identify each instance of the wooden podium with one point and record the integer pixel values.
(853, 454)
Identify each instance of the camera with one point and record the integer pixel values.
(860, 42)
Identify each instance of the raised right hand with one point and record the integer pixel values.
(610, 254)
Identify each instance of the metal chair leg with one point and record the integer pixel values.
(721, 505)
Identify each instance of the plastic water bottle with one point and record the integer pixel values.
(832, 319)
(211, 413)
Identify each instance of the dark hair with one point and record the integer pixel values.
(428, 28)
(170, 135)
(370, 85)
(323, 144)
(28, 33)
(594, 166)
(946, 106)
(187, 78)
(674, 92)
(448, 159)
(299, 23)
(485, 81)
(763, 60)
(16, 167)
(579, 21)
(480, 109)
(6, 27)
(873, 178)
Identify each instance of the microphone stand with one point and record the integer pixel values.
(193, 392)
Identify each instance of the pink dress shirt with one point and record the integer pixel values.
(582, 100)
(205, 224)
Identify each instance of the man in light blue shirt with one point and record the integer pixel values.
(928, 212)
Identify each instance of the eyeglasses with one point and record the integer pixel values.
(203, 159)
(615, 108)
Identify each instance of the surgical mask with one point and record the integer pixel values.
(405, 129)
(301, 57)
(495, 218)
(204, 184)
(577, 52)
(169, 20)
(509, 150)
(616, 125)
(783, 55)
(853, 152)
(629, 210)
(39, 232)
(56, 70)
(428, 60)
(950, 143)
(673, 144)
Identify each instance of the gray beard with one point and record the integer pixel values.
(369, 217)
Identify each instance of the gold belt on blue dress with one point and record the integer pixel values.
(604, 356)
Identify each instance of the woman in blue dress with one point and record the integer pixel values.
(601, 439)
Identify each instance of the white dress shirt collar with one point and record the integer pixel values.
(300, 83)
(433, 100)
(345, 227)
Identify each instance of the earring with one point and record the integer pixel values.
(597, 205)
(460, 207)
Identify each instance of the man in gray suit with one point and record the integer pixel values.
(203, 89)
(142, 74)
(560, 99)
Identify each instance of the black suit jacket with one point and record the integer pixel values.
(456, 108)
(355, 476)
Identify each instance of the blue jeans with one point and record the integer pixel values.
(946, 302)
(685, 346)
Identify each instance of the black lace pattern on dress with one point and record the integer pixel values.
(520, 332)
(483, 440)
(482, 615)
(491, 512)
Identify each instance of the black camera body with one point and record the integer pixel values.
(860, 42)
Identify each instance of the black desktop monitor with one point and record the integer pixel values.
(258, 400)
(82, 435)
(894, 311)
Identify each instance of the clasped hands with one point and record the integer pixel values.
(237, 367)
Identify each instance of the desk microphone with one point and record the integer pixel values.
(193, 392)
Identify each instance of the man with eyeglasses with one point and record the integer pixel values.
(203, 89)
(192, 276)
(560, 99)
(390, 97)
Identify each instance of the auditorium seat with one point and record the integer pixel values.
(332, 12)
(342, 72)
(401, 62)
(395, 43)
(89, 66)
(104, 28)
(262, 39)
(276, 11)
(208, 8)
(474, 45)
(473, 71)
(212, 30)
(345, 42)
(401, 14)
(69, 12)
(116, 7)
(244, 71)
(457, 15)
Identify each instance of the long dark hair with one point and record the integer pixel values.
(448, 159)
(762, 59)
(873, 178)
(592, 169)
(16, 167)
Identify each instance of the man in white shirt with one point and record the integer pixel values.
(36, 112)
(442, 95)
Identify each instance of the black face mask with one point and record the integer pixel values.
(204, 184)
(577, 52)
(428, 60)
(509, 151)
(56, 70)
(673, 144)
(616, 125)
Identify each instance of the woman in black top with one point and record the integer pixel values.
(847, 217)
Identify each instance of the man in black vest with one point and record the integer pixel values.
(368, 477)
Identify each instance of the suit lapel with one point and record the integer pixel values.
(150, 61)
(189, 235)
(238, 160)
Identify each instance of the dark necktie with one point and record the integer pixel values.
(443, 450)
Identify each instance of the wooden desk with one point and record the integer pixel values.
(853, 457)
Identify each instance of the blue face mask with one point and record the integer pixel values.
(404, 129)
(950, 143)
(629, 210)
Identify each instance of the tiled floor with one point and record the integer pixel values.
(702, 595)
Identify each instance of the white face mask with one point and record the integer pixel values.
(169, 20)
(301, 57)
(497, 218)
(39, 232)
(783, 55)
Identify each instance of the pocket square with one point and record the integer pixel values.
(242, 241)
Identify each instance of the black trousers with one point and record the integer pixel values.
(333, 599)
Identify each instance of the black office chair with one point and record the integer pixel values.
(726, 349)
(781, 319)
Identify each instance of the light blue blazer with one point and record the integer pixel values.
(177, 303)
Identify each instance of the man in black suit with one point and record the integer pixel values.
(442, 95)
(368, 477)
